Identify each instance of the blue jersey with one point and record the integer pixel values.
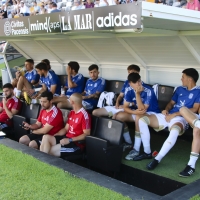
(126, 85)
(79, 80)
(93, 86)
(32, 76)
(184, 97)
(148, 97)
(51, 79)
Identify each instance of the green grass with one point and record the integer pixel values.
(172, 164)
(25, 177)
(196, 197)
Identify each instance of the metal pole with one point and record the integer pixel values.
(8, 68)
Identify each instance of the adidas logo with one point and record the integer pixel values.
(190, 172)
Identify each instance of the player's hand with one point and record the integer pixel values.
(25, 125)
(69, 70)
(139, 89)
(18, 74)
(4, 102)
(64, 141)
(140, 111)
(165, 112)
(169, 117)
(30, 92)
(117, 105)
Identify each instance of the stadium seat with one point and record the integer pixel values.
(18, 131)
(114, 86)
(28, 112)
(63, 79)
(65, 114)
(164, 95)
(104, 149)
(33, 121)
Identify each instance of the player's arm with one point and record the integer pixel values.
(92, 96)
(128, 110)
(63, 131)
(53, 89)
(86, 132)
(11, 112)
(71, 84)
(169, 106)
(44, 130)
(119, 99)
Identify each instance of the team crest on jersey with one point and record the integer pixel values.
(95, 85)
(47, 118)
(76, 120)
(190, 96)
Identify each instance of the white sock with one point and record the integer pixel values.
(168, 144)
(127, 138)
(196, 123)
(145, 135)
(18, 93)
(138, 141)
(193, 158)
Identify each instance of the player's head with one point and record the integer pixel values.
(74, 66)
(8, 90)
(47, 62)
(189, 75)
(133, 68)
(41, 68)
(93, 71)
(29, 63)
(134, 80)
(46, 100)
(76, 100)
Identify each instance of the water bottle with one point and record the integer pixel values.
(62, 90)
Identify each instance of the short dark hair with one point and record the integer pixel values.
(47, 94)
(54, 5)
(30, 61)
(74, 65)
(41, 66)
(8, 85)
(133, 77)
(46, 61)
(191, 72)
(91, 67)
(133, 67)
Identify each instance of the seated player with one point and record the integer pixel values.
(186, 95)
(49, 80)
(9, 106)
(143, 101)
(112, 110)
(193, 120)
(50, 121)
(68, 140)
(75, 83)
(28, 81)
(47, 62)
(94, 86)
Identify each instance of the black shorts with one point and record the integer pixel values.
(68, 149)
(37, 138)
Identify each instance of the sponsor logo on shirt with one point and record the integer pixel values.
(191, 95)
(76, 120)
(95, 85)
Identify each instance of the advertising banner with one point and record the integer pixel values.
(126, 16)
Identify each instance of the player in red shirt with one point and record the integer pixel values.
(50, 121)
(9, 106)
(69, 139)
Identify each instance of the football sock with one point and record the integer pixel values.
(145, 135)
(137, 142)
(193, 158)
(168, 144)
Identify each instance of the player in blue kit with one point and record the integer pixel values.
(186, 95)
(140, 99)
(28, 81)
(75, 84)
(49, 80)
(112, 110)
(94, 86)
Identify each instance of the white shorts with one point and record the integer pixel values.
(148, 113)
(112, 110)
(163, 123)
(87, 105)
